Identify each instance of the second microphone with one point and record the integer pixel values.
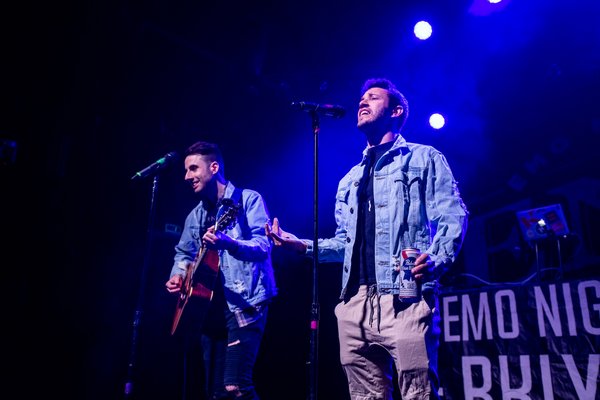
(329, 110)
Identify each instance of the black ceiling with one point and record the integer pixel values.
(129, 81)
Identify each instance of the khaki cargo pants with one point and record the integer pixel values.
(374, 331)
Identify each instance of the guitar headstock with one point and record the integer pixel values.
(227, 214)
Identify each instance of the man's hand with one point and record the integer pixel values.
(423, 269)
(174, 284)
(218, 240)
(284, 239)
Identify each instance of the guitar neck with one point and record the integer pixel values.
(199, 259)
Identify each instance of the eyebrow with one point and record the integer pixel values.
(370, 95)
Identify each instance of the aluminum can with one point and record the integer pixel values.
(410, 289)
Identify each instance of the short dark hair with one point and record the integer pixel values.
(210, 150)
(396, 97)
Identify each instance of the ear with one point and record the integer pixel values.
(214, 167)
(397, 111)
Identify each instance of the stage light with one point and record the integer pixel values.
(423, 30)
(483, 8)
(437, 121)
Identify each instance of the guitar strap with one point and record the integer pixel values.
(226, 202)
(237, 196)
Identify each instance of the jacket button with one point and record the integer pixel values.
(356, 183)
(351, 210)
(348, 240)
(345, 269)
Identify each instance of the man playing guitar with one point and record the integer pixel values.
(223, 263)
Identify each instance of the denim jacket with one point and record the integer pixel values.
(247, 272)
(417, 204)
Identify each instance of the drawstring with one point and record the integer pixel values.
(371, 294)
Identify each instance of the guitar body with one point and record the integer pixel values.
(201, 286)
(205, 276)
(201, 275)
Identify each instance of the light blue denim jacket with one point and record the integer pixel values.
(248, 271)
(417, 204)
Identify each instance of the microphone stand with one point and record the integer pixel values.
(314, 321)
(131, 365)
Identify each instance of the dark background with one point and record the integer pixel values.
(94, 91)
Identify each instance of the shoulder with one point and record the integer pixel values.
(234, 192)
(424, 153)
(246, 192)
(422, 148)
(251, 196)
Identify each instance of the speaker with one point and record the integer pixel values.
(495, 250)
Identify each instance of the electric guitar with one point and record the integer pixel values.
(201, 274)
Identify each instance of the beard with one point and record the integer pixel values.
(371, 125)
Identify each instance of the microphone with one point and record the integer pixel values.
(156, 166)
(329, 110)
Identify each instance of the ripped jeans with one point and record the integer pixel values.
(378, 331)
(229, 353)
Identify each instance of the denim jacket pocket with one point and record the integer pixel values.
(195, 232)
(413, 183)
(342, 195)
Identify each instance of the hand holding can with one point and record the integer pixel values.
(410, 289)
